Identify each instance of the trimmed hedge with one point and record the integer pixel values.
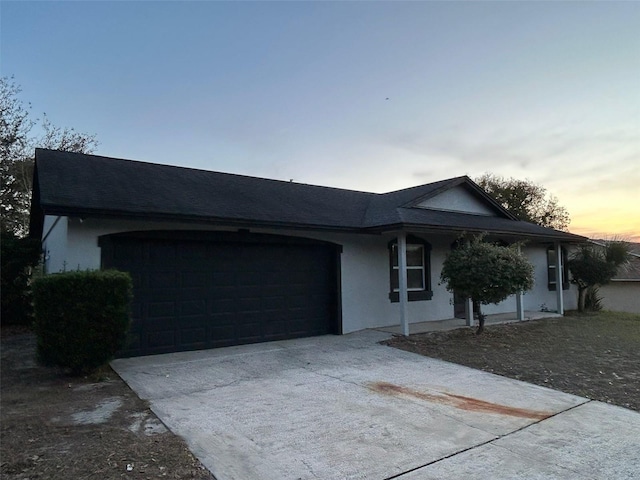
(19, 256)
(81, 318)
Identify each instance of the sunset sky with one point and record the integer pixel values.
(373, 96)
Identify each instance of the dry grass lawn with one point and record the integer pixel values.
(592, 355)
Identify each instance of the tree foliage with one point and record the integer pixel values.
(486, 273)
(526, 200)
(17, 146)
(593, 265)
(18, 257)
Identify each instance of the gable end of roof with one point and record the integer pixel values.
(471, 187)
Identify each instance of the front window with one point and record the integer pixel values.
(415, 268)
(418, 274)
(551, 268)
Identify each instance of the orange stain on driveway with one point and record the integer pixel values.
(458, 401)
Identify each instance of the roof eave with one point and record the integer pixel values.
(560, 236)
(256, 223)
(194, 219)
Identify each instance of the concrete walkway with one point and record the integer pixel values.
(345, 407)
(454, 323)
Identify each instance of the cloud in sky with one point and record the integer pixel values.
(364, 95)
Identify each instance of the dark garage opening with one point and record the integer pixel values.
(198, 290)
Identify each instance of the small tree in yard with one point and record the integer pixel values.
(486, 273)
(593, 265)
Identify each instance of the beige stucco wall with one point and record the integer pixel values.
(621, 296)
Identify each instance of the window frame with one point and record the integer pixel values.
(551, 268)
(413, 294)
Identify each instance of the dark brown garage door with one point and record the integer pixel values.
(195, 291)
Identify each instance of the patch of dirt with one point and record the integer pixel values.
(59, 427)
(594, 356)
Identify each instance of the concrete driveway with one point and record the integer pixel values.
(345, 407)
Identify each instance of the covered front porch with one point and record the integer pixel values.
(454, 323)
(410, 256)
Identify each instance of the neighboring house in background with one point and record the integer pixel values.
(220, 259)
(622, 294)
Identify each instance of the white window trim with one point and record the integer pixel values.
(396, 268)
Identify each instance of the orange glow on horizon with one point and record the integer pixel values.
(620, 225)
(612, 214)
(627, 236)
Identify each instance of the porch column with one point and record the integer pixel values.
(519, 306)
(520, 300)
(559, 279)
(468, 312)
(402, 282)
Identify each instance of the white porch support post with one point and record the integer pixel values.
(520, 301)
(402, 282)
(468, 311)
(519, 306)
(559, 279)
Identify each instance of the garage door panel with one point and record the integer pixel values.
(248, 331)
(158, 310)
(298, 300)
(160, 338)
(248, 278)
(222, 306)
(272, 289)
(158, 324)
(131, 252)
(274, 302)
(223, 278)
(222, 319)
(193, 338)
(161, 254)
(193, 307)
(299, 325)
(163, 279)
(191, 279)
(222, 258)
(192, 294)
(248, 304)
(196, 255)
(248, 317)
(191, 321)
(221, 338)
(248, 291)
(274, 323)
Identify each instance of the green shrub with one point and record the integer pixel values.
(592, 299)
(81, 318)
(18, 255)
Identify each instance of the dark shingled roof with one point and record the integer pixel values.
(88, 185)
(630, 270)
